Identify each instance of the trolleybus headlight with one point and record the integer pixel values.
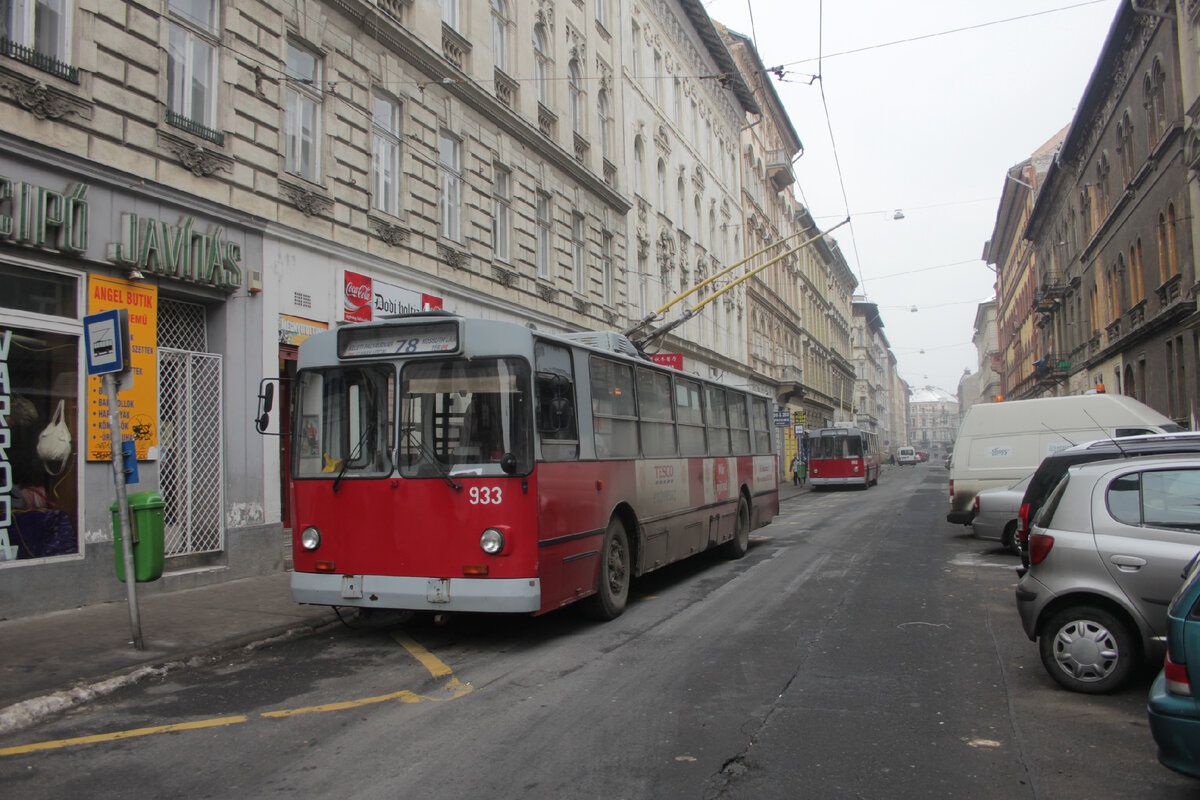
(310, 538)
(492, 541)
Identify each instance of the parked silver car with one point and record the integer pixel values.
(996, 513)
(1107, 552)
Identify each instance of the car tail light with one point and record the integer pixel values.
(1177, 678)
(975, 505)
(1023, 523)
(952, 490)
(1039, 547)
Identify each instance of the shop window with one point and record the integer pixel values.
(38, 468)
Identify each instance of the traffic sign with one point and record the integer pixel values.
(106, 341)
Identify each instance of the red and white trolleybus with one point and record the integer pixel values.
(843, 456)
(450, 464)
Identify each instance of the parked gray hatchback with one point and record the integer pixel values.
(1107, 552)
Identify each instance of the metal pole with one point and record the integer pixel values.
(118, 465)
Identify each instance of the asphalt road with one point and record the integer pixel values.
(863, 648)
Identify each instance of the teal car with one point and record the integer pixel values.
(1173, 705)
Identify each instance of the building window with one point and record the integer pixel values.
(677, 98)
(1158, 102)
(450, 181)
(501, 213)
(541, 64)
(192, 65)
(302, 126)
(575, 100)
(681, 200)
(1172, 250)
(1137, 282)
(450, 13)
(604, 122)
(602, 13)
(661, 171)
(638, 165)
(500, 23)
(385, 167)
(606, 268)
(35, 31)
(578, 269)
(542, 253)
(658, 69)
(1125, 148)
(40, 516)
(635, 43)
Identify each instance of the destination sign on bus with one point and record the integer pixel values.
(397, 340)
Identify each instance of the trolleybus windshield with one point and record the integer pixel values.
(345, 421)
(463, 416)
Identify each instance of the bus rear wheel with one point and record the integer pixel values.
(740, 543)
(612, 590)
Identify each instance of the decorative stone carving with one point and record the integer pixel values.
(390, 233)
(505, 277)
(666, 253)
(200, 160)
(310, 203)
(661, 140)
(546, 292)
(581, 305)
(610, 316)
(455, 258)
(44, 102)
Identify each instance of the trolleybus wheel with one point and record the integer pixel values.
(740, 543)
(612, 590)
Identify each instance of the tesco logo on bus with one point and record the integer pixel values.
(664, 471)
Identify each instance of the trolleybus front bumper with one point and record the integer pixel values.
(504, 595)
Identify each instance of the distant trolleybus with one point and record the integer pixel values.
(449, 464)
(843, 456)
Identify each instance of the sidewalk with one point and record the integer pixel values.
(53, 661)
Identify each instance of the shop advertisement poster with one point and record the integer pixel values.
(139, 404)
(367, 298)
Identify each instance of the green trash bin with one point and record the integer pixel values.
(146, 521)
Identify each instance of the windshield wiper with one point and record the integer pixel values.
(355, 453)
(430, 456)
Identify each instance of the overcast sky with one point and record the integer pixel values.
(927, 126)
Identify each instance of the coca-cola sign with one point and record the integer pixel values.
(367, 298)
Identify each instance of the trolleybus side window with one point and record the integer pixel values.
(464, 415)
(718, 422)
(655, 411)
(613, 409)
(344, 422)
(739, 423)
(762, 425)
(554, 385)
(690, 414)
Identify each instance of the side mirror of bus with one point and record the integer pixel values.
(508, 463)
(264, 421)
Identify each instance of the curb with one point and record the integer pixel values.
(30, 710)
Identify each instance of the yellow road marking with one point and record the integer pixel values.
(452, 689)
(130, 734)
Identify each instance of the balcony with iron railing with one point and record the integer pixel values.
(177, 120)
(39, 61)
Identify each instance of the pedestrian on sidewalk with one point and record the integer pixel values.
(797, 466)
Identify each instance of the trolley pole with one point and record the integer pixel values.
(118, 466)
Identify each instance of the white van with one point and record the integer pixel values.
(906, 455)
(1000, 443)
